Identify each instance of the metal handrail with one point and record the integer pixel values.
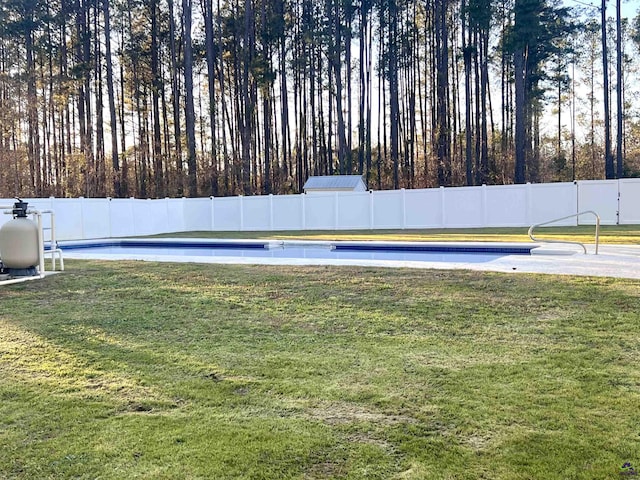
(531, 228)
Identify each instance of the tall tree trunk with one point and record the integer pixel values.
(175, 97)
(592, 116)
(369, 89)
(467, 52)
(156, 87)
(190, 117)
(348, 12)
(336, 64)
(91, 171)
(115, 160)
(442, 108)
(484, 107)
(33, 142)
(100, 173)
(363, 86)
(84, 103)
(520, 108)
(620, 103)
(573, 116)
(224, 108)
(140, 152)
(394, 105)
(284, 95)
(211, 84)
(608, 157)
(124, 178)
(247, 99)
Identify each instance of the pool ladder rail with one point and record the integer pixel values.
(590, 212)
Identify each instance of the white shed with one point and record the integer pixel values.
(335, 183)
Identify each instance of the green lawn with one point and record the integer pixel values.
(122, 370)
(612, 234)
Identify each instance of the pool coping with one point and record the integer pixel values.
(521, 248)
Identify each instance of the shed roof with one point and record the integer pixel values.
(335, 182)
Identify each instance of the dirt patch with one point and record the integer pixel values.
(345, 413)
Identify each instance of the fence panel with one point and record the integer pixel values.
(506, 205)
(149, 217)
(288, 212)
(423, 208)
(227, 214)
(353, 210)
(388, 209)
(196, 215)
(629, 201)
(121, 217)
(320, 211)
(177, 217)
(548, 201)
(256, 213)
(69, 218)
(601, 196)
(95, 218)
(464, 207)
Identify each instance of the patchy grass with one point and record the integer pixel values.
(612, 234)
(138, 370)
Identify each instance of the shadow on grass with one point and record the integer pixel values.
(182, 371)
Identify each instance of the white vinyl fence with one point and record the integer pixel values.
(616, 201)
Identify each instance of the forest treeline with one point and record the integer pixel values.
(154, 98)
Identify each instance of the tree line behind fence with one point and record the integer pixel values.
(155, 98)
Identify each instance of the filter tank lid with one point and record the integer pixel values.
(20, 209)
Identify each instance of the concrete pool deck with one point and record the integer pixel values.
(621, 261)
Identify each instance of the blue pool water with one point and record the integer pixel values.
(419, 252)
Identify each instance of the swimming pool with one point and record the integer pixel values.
(620, 261)
(154, 249)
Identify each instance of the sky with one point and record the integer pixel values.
(629, 8)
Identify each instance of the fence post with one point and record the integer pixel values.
(212, 213)
(528, 216)
(271, 212)
(82, 218)
(167, 203)
(404, 208)
(484, 206)
(371, 216)
(443, 207)
(618, 204)
(132, 210)
(109, 219)
(52, 200)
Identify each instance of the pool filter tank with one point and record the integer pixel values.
(19, 250)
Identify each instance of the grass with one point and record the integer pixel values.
(117, 370)
(611, 234)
